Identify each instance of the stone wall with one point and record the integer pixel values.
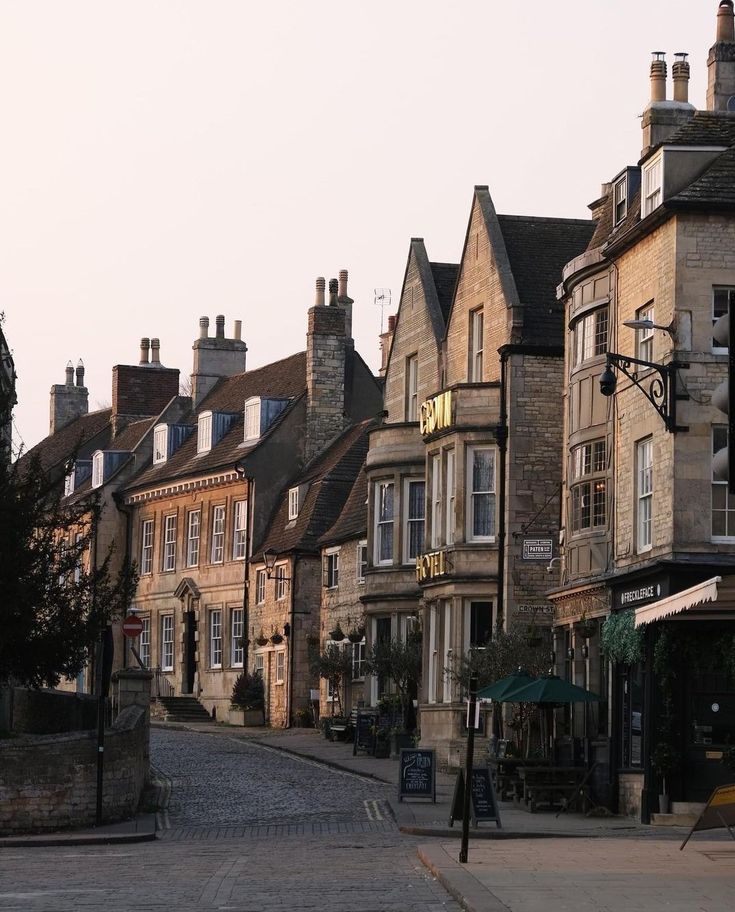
(45, 712)
(49, 782)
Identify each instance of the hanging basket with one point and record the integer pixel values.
(354, 636)
(337, 634)
(261, 640)
(276, 638)
(585, 629)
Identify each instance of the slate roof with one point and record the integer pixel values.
(284, 379)
(445, 280)
(331, 479)
(538, 249)
(56, 450)
(714, 188)
(352, 521)
(706, 128)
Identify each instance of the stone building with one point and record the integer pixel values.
(7, 398)
(644, 519)
(463, 479)
(204, 502)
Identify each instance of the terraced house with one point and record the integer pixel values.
(463, 474)
(648, 526)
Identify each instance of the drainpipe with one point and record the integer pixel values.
(501, 434)
(246, 566)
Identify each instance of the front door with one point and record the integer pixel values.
(710, 729)
(190, 644)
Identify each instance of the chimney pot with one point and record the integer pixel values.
(238, 330)
(203, 327)
(69, 374)
(343, 283)
(156, 352)
(144, 346)
(680, 71)
(80, 373)
(725, 22)
(320, 286)
(333, 284)
(658, 76)
(220, 326)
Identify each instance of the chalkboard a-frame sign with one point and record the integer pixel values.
(417, 774)
(483, 803)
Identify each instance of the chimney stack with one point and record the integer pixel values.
(320, 286)
(332, 292)
(215, 358)
(68, 402)
(144, 346)
(680, 71)
(156, 352)
(345, 302)
(721, 62)
(141, 390)
(386, 339)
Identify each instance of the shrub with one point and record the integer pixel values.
(248, 691)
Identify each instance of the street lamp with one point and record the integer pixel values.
(270, 556)
(649, 324)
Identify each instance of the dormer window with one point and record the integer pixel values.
(69, 482)
(293, 503)
(98, 469)
(160, 444)
(620, 197)
(652, 195)
(204, 433)
(252, 419)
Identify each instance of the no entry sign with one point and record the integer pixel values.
(132, 626)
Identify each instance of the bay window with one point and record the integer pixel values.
(481, 493)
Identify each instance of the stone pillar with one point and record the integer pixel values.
(132, 687)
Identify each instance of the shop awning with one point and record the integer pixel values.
(714, 599)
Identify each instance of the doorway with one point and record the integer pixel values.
(190, 665)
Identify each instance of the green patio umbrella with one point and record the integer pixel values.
(504, 686)
(551, 689)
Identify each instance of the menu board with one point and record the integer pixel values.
(417, 773)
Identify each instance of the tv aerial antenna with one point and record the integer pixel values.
(382, 300)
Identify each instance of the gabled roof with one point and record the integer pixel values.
(713, 189)
(330, 479)
(538, 249)
(352, 521)
(445, 281)
(284, 379)
(57, 449)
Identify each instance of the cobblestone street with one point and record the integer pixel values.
(247, 829)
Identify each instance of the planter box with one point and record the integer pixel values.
(245, 717)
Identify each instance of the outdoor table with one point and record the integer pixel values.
(550, 785)
(508, 785)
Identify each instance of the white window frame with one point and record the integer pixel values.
(239, 529)
(433, 657)
(280, 664)
(718, 349)
(237, 650)
(652, 184)
(644, 337)
(215, 638)
(591, 335)
(193, 537)
(167, 642)
(252, 418)
(331, 568)
(144, 642)
(204, 432)
(69, 480)
(217, 551)
(260, 577)
(259, 663)
(412, 388)
(147, 528)
(477, 332)
(98, 469)
(160, 443)
(408, 521)
(721, 486)
(78, 562)
(447, 690)
(362, 560)
(168, 558)
(472, 495)
(588, 468)
(358, 660)
(281, 582)
(293, 504)
(620, 199)
(436, 500)
(451, 493)
(644, 494)
(386, 526)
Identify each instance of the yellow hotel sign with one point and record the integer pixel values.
(431, 565)
(436, 413)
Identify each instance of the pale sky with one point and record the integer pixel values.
(162, 160)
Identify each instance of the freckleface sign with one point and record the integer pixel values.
(436, 413)
(431, 565)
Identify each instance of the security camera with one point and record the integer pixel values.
(608, 381)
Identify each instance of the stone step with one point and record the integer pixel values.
(687, 807)
(184, 709)
(677, 820)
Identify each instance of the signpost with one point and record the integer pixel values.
(132, 626)
(718, 812)
(417, 774)
(483, 803)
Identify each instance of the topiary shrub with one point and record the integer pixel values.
(248, 691)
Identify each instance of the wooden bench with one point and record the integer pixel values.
(508, 784)
(554, 786)
(342, 731)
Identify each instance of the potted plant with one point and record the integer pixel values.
(585, 627)
(382, 744)
(247, 704)
(335, 666)
(400, 662)
(664, 760)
